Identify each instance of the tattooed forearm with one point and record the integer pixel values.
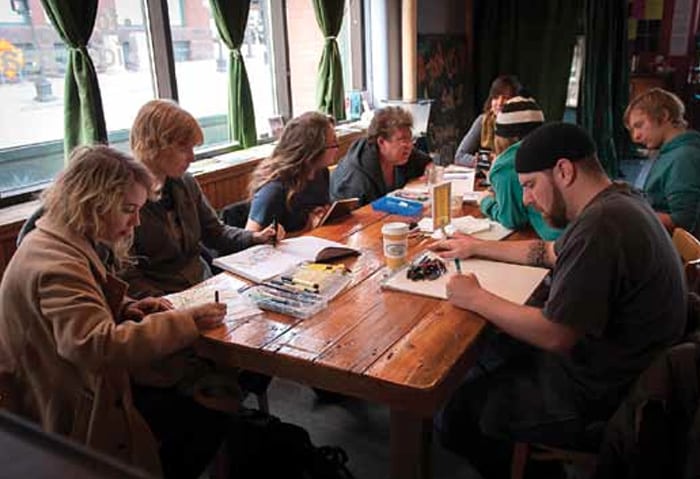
(537, 253)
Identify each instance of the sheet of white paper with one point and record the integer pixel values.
(510, 281)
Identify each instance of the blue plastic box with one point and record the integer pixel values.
(398, 206)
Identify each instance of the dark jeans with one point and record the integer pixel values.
(188, 434)
(507, 397)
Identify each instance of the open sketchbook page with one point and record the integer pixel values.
(510, 281)
(262, 262)
(227, 286)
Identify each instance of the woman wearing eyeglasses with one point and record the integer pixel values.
(291, 186)
(383, 161)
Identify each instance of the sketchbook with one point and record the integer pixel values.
(509, 281)
(262, 262)
(222, 287)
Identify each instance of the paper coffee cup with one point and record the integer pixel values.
(395, 244)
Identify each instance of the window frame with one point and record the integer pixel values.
(159, 34)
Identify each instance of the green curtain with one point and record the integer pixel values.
(605, 80)
(330, 93)
(84, 120)
(533, 39)
(231, 17)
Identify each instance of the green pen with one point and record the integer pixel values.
(458, 265)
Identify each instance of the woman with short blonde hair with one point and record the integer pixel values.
(167, 243)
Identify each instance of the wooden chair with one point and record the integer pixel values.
(688, 246)
(583, 462)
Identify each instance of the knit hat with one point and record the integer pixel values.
(518, 117)
(545, 146)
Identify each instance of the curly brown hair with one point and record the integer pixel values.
(386, 121)
(296, 156)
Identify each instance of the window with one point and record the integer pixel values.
(572, 92)
(120, 49)
(305, 34)
(13, 12)
(33, 61)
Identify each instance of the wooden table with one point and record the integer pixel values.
(406, 351)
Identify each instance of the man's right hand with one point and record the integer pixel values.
(458, 246)
(207, 316)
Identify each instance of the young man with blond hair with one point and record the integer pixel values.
(671, 180)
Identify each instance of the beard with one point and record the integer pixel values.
(557, 216)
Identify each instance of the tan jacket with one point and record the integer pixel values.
(68, 355)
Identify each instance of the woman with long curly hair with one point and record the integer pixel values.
(70, 340)
(291, 186)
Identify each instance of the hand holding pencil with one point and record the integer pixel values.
(270, 234)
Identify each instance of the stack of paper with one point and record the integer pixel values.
(481, 228)
(456, 172)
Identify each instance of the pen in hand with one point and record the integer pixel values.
(216, 296)
(458, 265)
(274, 228)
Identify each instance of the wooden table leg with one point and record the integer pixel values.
(410, 446)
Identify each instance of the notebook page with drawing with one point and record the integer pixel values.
(510, 281)
(262, 262)
(222, 286)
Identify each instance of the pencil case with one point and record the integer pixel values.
(398, 206)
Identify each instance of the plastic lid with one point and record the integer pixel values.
(397, 228)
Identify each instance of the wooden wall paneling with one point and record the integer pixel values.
(222, 186)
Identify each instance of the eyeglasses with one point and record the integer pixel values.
(333, 146)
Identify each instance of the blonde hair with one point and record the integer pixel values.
(161, 124)
(658, 103)
(91, 188)
(296, 156)
(386, 121)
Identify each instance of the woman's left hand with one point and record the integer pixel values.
(138, 309)
(316, 215)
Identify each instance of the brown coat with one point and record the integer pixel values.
(69, 356)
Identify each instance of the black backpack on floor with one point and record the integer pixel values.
(264, 446)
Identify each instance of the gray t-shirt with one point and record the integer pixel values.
(619, 281)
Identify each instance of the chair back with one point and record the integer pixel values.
(688, 246)
(29, 224)
(236, 214)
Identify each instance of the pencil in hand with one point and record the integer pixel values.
(274, 229)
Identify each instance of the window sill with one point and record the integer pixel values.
(206, 170)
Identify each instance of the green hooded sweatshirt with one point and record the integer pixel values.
(673, 184)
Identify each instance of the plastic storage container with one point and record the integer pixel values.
(398, 206)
